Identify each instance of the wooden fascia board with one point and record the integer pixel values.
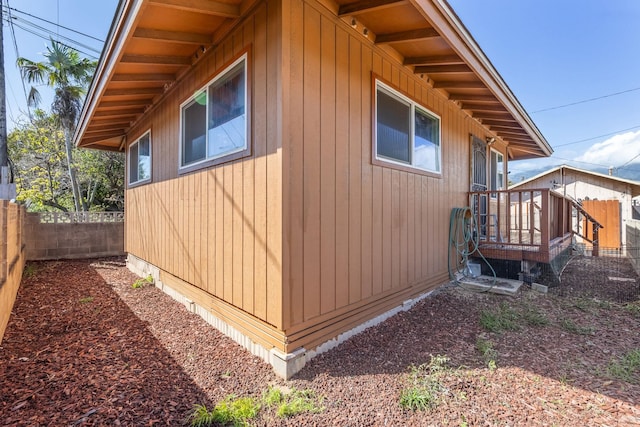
(367, 6)
(451, 29)
(124, 21)
(208, 7)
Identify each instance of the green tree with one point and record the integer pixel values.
(69, 75)
(37, 148)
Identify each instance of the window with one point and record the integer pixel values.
(407, 134)
(214, 120)
(140, 159)
(497, 171)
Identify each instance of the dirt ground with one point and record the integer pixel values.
(85, 348)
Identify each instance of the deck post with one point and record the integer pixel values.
(596, 244)
(544, 221)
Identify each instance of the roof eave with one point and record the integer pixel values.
(445, 19)
(123, 20)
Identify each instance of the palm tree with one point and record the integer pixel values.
(69, 75)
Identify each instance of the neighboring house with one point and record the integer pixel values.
(292, 165)
(607, 198)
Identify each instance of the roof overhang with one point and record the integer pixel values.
(153, 43)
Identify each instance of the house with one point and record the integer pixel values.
(292, 165)
(605, 197)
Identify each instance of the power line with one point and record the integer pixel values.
(23, 21)
(596, 137)
(584, 101)
(632, 159)
(15, 47)
(35, 33)
(57, 25)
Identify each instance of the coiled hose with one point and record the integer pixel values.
(464, 242)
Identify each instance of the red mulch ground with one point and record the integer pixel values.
(84, 348)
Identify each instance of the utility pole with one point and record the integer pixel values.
(7, 189)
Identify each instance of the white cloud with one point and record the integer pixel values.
(614, 151)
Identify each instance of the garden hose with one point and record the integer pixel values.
(464, 242)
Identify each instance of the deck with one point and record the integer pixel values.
(530, 225)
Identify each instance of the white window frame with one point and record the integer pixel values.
(414, 105)
(129, 160)
(493, 171)
(209, 160)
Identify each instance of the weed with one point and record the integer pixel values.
(565, 379)
(633, 308)
(534, 317)
(574, 328)
(86, 300)
(625, 367)
(30, 270)
(489, 354)
(426, 390)
(142, 282)
(290, 402)
(232, 410)
(273, 396)
(583, 304)
(297, 402)
(504, 319)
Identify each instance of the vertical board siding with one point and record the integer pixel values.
(357, 231)
(219, 228)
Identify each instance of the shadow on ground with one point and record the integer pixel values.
(74, 353)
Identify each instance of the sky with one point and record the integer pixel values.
(549, 52)
(557, 52)
(91, 17)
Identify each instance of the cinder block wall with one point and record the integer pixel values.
(72, 241)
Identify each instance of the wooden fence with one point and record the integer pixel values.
(633, 242)
(12, 257)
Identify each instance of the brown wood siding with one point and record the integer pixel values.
(307, 234)
(359, 237)
(219, 228)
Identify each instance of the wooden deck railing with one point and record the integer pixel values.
(530, 220)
